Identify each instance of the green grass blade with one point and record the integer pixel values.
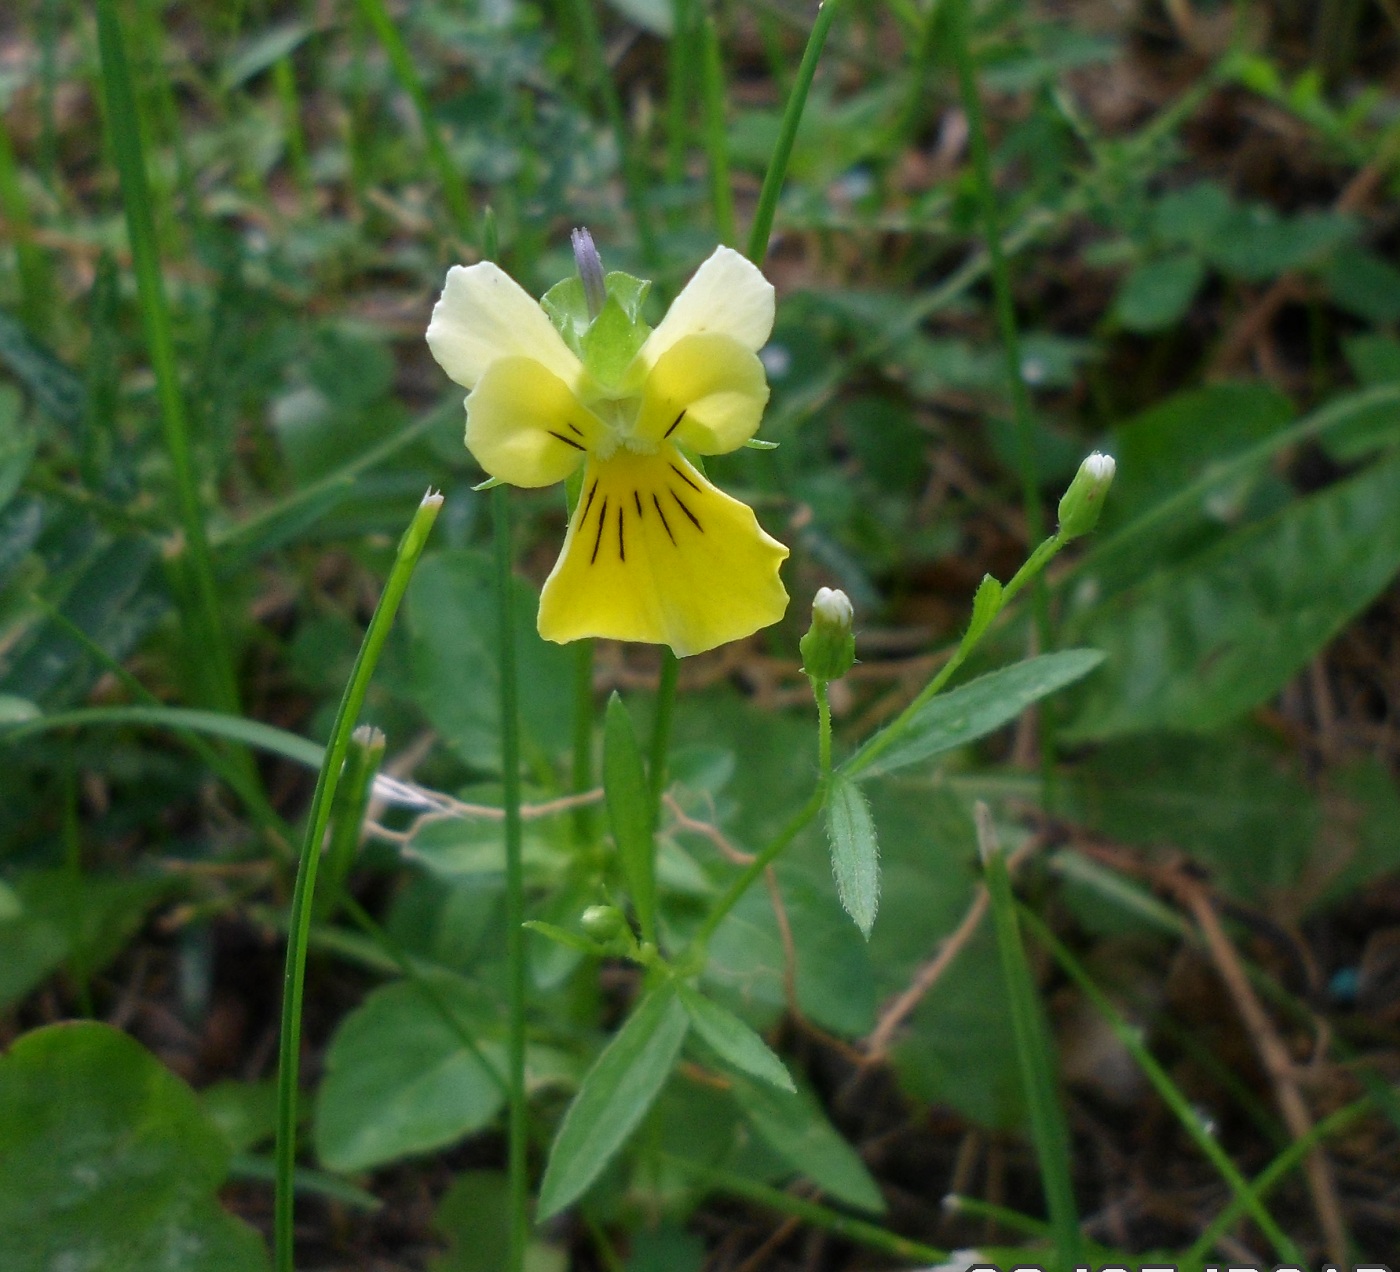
(1034, 1050)
(33, 269)
(1166, 1088)
(299, 923)
(762, 228)
(209, 650)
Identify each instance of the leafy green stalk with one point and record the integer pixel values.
(207, 635)
(858, 1231)
(1171, 1094)
(517, 974)
(661, 725)
(454, 189)
(1001, 287)
(1034, 1050)
(767, 208)
(299, 923)
(716, 143)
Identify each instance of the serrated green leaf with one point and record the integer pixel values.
(855, 853)
(733, 1041)
(628, 797)
(1196, 645)
(796, 1128)
(615, 1095)
(963, 715)
(107, 1161)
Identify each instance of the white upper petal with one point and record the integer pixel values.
(483, 314)
(727, 296)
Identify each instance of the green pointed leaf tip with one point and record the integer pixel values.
(566, 304)
(975, 710)
(855, 853)
(986, 605)
(795, 1127)
(628, 798)
(615, 1095)
(733, 1041)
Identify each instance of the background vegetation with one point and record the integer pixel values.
(217, 414)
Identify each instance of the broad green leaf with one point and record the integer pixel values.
(246, 1112)
(1230, 800)
(794, 1126)
(454, 665)
(1159, 292)
(958, 1047)
(748, 969)
(615, 1095)
(976, 709)
(628, 796)
(1255, 243)
(1197, 645)
(108, 1162)
(399, 1079)
(855, 853)
(474, 1219)
(733, 1041)
(1364, 284)
(86, 919)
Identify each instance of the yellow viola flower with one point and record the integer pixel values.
(654, 552)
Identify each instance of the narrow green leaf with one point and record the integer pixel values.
(976, 709)
(986, 605)
(562, 936)
(794, 1126)
(614, 1096)
(628, 798)
(855, 854)
(734, 1041)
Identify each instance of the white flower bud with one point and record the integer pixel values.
(1083, 501)
(829, 647)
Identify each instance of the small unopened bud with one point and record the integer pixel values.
(829, 647)
(590, 270)
(602, 922)
(1083, 501)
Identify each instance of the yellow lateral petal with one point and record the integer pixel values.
(483, 314)
(728, 296)
(706, 393)
(656, 553)
(525, 426)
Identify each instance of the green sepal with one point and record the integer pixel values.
(566, 306)
(611, 342)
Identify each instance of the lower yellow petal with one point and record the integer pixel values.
(656, 553)
(525, 426)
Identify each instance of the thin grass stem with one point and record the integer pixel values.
(34, 290)
(299, 919)
(581, 776)
(516, 950)
(859, 1231)
(961, 49)
(1034, 1051)
(454, 189)
(716, 142)
(762, 228)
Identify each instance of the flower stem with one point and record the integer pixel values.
(517, 1129)
(823, 727)
(661, 727)
(767, 208)
(299, 920)
(582, 775)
